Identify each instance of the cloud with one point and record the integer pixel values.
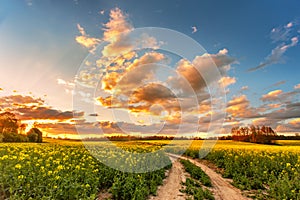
(277, 84)
(68, 86)
(7, 101)
(227, 80)
(279, 95)
(272, 96)
(136, 89)
(135, 81)
(285, 37)
(283, 33)
(289, 25)
(295, 122)
(102, 12)
(263, 121)
(194, 28)
(189, 72)
(30, 108)
(85, 40)
(98, 129)
(297, 87)
(276, 54)
(29, 2)
(291, 110)
(239, 107)
(137, 72)
(118, 24)
(291, 126)
(274, 105)
(244, 88)
(29, 113)
(118, 51)
(152, 93)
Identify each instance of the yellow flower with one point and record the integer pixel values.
(21, 177)
(60, 167)
(18, 166)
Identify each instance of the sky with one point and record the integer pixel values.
(67, 63)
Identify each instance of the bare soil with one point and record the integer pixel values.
(172, 184)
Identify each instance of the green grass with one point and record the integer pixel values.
(196, 172)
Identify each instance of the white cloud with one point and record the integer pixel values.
(286, 37)
(297, 87)
(276, 54)
(289, 25)
(194, 28)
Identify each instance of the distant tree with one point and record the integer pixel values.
(1, 137)
(8, 123)
(35, 135)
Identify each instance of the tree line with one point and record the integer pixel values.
(12, 130)
(255, 134)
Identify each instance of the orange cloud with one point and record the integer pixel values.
(291, 126)
(116, 33)
(110, 81)
(117, 25)
(136, 73)
(130, 80)
(153, 93)
(275, 105)
(295, 122)
(239, 106)
(85, 40)
(227, 80)
(29, 108)
(272, 96)
(204, 107)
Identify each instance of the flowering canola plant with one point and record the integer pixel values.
(68, 171)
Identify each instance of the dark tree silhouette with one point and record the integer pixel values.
(256, 134)
(35, 135)
(8, 123)
(9, 127)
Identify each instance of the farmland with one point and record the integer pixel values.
(264, 171)
(67, 170)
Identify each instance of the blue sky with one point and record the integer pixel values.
(38, 45)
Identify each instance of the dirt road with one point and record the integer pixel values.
(172, 184)
(222, 189)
